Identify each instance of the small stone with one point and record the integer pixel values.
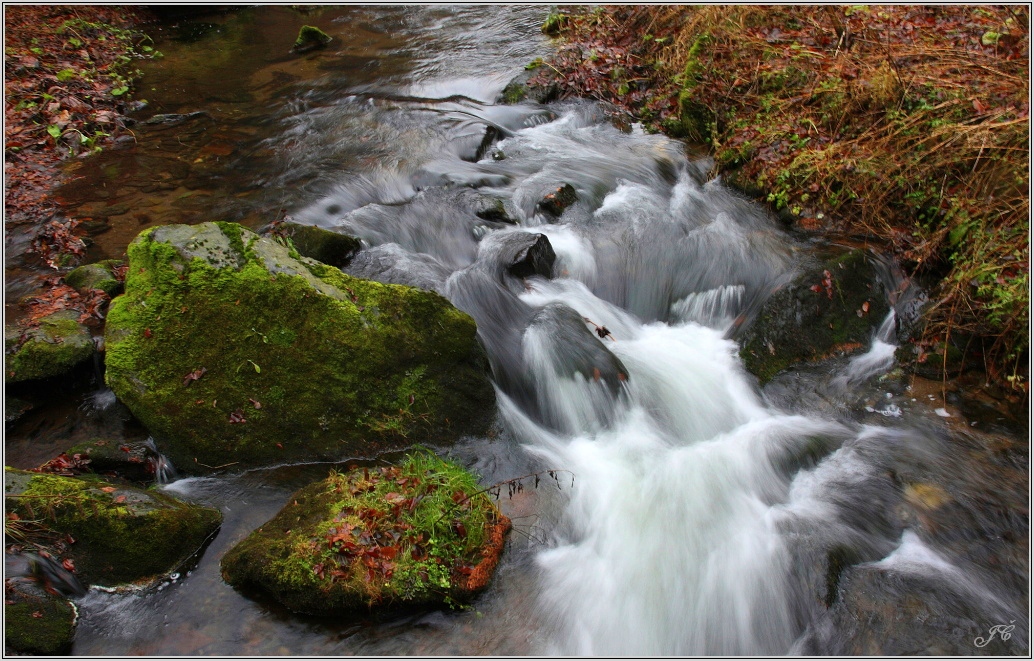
(310, 38)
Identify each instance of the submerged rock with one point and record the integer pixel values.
(417, 535)
(120, 534)
(916, 610)
(830, 309)
(234, 350)
(390, 263)
(53, 346)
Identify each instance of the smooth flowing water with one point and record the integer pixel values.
(696, 514)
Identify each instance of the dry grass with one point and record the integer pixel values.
(906, 125)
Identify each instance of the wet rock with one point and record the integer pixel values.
(36, 622)
(578, 349)
(96, 276)
(490, 208)
(912, 612)
(169, 120)
(531, 254)
(519, 89)
(418, 535)
(310, 38)
(323, 245)
(15, 408)
(392, 264)
(232, 351)
(119, 534)
(56, 345)
(138, 461)
(830, 309)
(555, 202)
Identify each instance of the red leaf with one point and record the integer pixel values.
(147, 333)
(120, 499)
(107, 489)
(68, 564)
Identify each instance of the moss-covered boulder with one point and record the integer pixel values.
(121, 533)
(323, 245)
(36, 622)
(419, 534)
(831, 308)
(234, 349)
(96, 276)
(52, 346)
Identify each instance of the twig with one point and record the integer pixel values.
(215, 467)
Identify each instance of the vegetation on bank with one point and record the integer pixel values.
(906, 125)
(68, 82)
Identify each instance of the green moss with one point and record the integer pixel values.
(309, 38)
(409, 535)
(42, 625)
(122, 534)
(58, 344)
(314, 360)
(95, 276)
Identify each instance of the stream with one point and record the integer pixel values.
(696, 514)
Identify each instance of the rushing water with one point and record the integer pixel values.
(697, 514)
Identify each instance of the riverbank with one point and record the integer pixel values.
(69, 82)
(906, 127)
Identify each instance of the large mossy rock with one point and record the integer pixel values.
(416, 535)
(234, 349)
(830, 309)
(121, 534)
(53, 346)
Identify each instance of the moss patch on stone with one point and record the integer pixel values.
(310, 38)
(419, 534)
(57, 344)
(39, 624)
(294, 359)
(122, 534)
(830, 309)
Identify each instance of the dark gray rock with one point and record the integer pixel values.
(832, 308)
(531, 254)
